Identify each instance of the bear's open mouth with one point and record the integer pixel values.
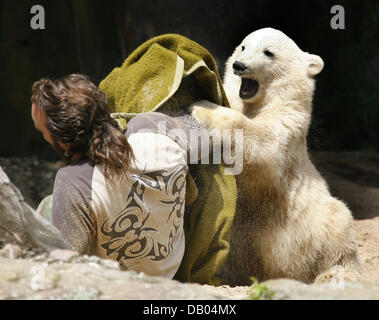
(249, 88)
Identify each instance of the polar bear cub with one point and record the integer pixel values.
(287, 224)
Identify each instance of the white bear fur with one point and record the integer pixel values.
(287, 224)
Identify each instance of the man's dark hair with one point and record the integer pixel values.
(78, 115)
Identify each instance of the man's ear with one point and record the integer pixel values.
(315, 64)
(64, 146)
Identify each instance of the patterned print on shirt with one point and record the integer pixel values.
(130, 234)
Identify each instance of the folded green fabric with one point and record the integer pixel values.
(167, 74)
(207, 225)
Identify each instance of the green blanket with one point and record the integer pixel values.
(167, 74)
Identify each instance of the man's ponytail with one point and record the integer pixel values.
(109, 148)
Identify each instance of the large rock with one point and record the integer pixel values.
(87, 278)
(91, 278)
(294, 290)
(20, 220)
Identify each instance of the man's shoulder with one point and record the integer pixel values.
(147, 122)
(147, 125)
(75, 173)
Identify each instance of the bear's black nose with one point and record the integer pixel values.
(239, 67)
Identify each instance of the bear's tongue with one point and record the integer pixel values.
(249, 88)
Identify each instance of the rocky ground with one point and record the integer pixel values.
(352, 176)
(34, 177)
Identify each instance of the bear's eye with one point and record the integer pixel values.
(243, 48)
(268, 53)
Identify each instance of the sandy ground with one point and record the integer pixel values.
(368, 244)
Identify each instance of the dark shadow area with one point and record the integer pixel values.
(352, 176)
(94, 36)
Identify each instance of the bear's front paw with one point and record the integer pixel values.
(201, 115)
(210, 115)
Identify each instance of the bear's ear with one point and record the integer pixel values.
(315, 64)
